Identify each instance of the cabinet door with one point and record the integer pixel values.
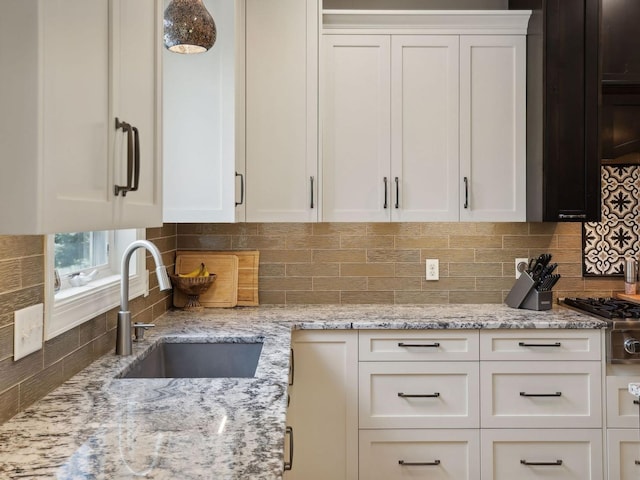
(541, 394)
(356, 180)
(623, 454)
(493, 128)
(199, 105)
(419, 454)
(281, 110)
(424, 127)
(324, 405)
(418, 395)
(137, 44)
(74, 77)
(564, 454)
(622, 406)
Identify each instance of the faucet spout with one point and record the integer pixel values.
(124, 341)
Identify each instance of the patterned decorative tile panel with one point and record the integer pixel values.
(617, 236)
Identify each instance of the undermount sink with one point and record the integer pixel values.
(197, 360)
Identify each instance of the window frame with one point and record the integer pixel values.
(74, 306)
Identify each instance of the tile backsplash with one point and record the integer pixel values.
(342, 263)
(328, 263)
(21, 285)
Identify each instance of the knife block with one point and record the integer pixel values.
(524, 295)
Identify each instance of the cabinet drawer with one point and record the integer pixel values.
(623, 448)
(570, 454)
(622, 409)
(540, 345)
(440, 454)
(418, 395)
(403, 345)
(541, 394)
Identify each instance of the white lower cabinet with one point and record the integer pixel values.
(323, 409)
(623, 454)
(419, 454)
(455, 404)
(513, 454)
(418, 395)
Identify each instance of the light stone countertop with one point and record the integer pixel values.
(96, 426)
(634, 389)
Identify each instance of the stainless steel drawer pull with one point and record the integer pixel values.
(541, 464)
(523, 344)
(419, 345)
(525, 394)
(424, 395)
(418, 464)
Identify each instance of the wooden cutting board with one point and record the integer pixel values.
(628, 298)
(224, 291)
(248, 266)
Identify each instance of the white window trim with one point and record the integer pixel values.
(75, 306)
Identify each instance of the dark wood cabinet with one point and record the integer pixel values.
(563, 97)
(620, 131)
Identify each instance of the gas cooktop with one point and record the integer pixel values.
(610, 308)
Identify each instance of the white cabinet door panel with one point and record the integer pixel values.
(356, 128)
(567, 454)
(282, 110)
(425, 454)
(424, 127)
(492, 127)
(623, 454)
(541, 394)
(419, 395)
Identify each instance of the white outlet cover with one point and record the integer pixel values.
(28, 329)
(433, 269)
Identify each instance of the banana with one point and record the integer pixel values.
(195, 273)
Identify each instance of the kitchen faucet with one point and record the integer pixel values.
(124, 342)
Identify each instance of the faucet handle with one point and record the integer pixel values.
(139, 328)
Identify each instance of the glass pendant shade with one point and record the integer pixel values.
(188, 27)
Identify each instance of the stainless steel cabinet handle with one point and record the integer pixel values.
(525, 394)
(133, 159)
(312, 202)
(541, 464)
(419, 345)
(422, 395)
(412, 464)
(386, 192)
(289, 465)
(241, 188)
(397, 192)
(466, 192)
(523, 344)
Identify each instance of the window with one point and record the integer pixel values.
(83, 276)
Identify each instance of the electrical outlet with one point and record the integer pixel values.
(432, 266)
(521, 266)
(28, 327)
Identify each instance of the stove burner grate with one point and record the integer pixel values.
(606, 307)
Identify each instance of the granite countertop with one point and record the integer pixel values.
(98, 426)
(634, 389)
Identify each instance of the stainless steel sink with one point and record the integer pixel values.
(197, 360)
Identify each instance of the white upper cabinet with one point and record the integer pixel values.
(79, 65)
(356, 128)
(423, 116)
(493, 127)
(203, 98)
(281, 110)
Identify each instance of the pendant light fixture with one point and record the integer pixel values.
(188, 27)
